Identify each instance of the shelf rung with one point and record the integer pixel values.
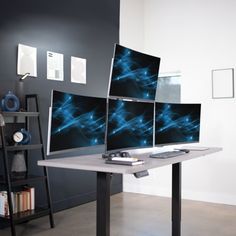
(28, 179)
(20, 114)
(27, 215)
(24, 147)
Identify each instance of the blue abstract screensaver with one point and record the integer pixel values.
(177, 123)
(130, 124)
(76, 121)
(134, 74)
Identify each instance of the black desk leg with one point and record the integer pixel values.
(103, 203)
(176, 199)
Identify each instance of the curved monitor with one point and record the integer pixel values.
(134, 74)
(129, 125)
(75, 121)
(177, 123)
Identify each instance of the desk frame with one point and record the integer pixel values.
(105, 171)
(103, 201)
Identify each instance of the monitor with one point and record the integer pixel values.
(75, 121)
(177, 123)
(129, 125)
(134, 74)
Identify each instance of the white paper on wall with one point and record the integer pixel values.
(55, 66)
(78, 70)
(27, 60)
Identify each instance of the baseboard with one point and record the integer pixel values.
(218, 198)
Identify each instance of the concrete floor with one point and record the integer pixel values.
(137, 215)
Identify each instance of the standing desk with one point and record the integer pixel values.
(104, 172)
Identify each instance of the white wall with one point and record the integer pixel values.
(132, 24)
(193, 37)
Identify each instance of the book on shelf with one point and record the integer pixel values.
(21, 201)
(31, 197)
(130, 161)
(4, 210)
(2, 204)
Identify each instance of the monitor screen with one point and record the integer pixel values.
(177, 123)
(134, 74)
(76, 121)
(129, 124)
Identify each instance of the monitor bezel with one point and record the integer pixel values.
(176, 143)
(128, 148)
(49, 153)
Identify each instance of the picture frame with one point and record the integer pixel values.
(223, 83)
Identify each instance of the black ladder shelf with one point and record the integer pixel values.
(6, 179)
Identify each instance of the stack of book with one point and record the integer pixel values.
(130, 161)
(22, 201)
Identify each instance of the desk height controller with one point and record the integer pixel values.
(141, 174)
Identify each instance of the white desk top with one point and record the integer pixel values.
(96, 163)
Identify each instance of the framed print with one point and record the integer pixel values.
(55, 66)
(78, 70)
(27, 60)
(223, 83)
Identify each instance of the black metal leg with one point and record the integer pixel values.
(51, 219)
(103, 203)
(176, 199)
(8, 181)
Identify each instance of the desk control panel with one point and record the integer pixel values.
(141, 174)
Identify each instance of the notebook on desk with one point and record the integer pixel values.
(128, 163)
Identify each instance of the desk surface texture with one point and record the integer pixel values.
(96, 163)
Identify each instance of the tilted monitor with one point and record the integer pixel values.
(133, 74)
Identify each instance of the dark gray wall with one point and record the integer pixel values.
(86, 29)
